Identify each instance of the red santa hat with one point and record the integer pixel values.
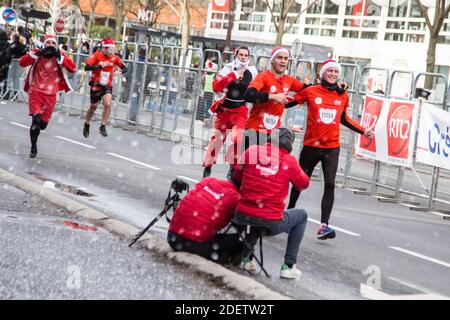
(108, 43)
(49, 37)
(276, 51)
(329, 64)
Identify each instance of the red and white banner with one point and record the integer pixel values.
(220, 5)
(433, 140)
(395, 126)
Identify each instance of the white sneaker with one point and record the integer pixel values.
(248, 265)
(290, 273)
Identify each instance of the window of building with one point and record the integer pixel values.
(316, 8)
(245, 26)
(315, 21)
(398, 25)
(446, 27)
(415, 11)
(393, 36)
(260, 6)
(293, 30)
(415, 38)
(398, 8)
(312, 31)
(349, 34)
(217, 16)
(258, 28)
(216, 25)
(417, 26)
(330, 8)
(259, 18)
(329, 22)
(328, 32)
(370, 23)
(369, 35)
(444, 39)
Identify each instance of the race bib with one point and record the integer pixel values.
(104, 78)
(327, 115)
(270, 121)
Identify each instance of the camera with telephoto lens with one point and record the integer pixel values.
(179, 185)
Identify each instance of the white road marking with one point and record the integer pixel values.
(188, 179)
(19, 125)
(369, 292)
(134, 161)
(421, 256)
(75, 142)
(414, 286)
(337, 228)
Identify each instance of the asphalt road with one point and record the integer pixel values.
(50, 254)
(127, 176)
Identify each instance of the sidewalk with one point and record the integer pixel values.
(48, 253)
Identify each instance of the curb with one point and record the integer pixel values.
(233, 280)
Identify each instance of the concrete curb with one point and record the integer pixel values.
(243, 284)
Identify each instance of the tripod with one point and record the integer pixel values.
(171, 202)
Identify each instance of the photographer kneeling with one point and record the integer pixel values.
(265, 172)
(203, 212)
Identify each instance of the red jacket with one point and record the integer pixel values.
(66, 64)
(205, 210)
(264, 173)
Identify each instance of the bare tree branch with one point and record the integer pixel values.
(299, 14)
(424, 12)
(271, 14)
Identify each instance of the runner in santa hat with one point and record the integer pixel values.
(46, 77)
(269, 95)
(229, 108)
(327, 105)
(102, 64)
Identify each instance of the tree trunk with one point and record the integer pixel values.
(185, 21)
(431, 58)
(280, 31)
(231, 14)
(119, 25)
(90, 23)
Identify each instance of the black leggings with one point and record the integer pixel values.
(36, 126)
(309, 158)
(252, 137)
(222, 249)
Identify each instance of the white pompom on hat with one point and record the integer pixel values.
(329, 64)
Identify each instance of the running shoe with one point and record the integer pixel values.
(325, 232)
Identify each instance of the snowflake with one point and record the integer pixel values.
(215, 256)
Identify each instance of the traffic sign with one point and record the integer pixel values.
(59, 25)
(9, 15)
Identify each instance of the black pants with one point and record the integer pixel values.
(222, 249)
(252, 137)
(309, 158)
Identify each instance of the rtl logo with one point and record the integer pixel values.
(399, 129)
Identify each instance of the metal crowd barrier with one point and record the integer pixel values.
(163, 94)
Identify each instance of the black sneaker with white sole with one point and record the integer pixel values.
(86, 130)
(103, 130)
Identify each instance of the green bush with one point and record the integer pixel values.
(102, 32)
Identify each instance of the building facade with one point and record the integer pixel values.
(382, 33)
